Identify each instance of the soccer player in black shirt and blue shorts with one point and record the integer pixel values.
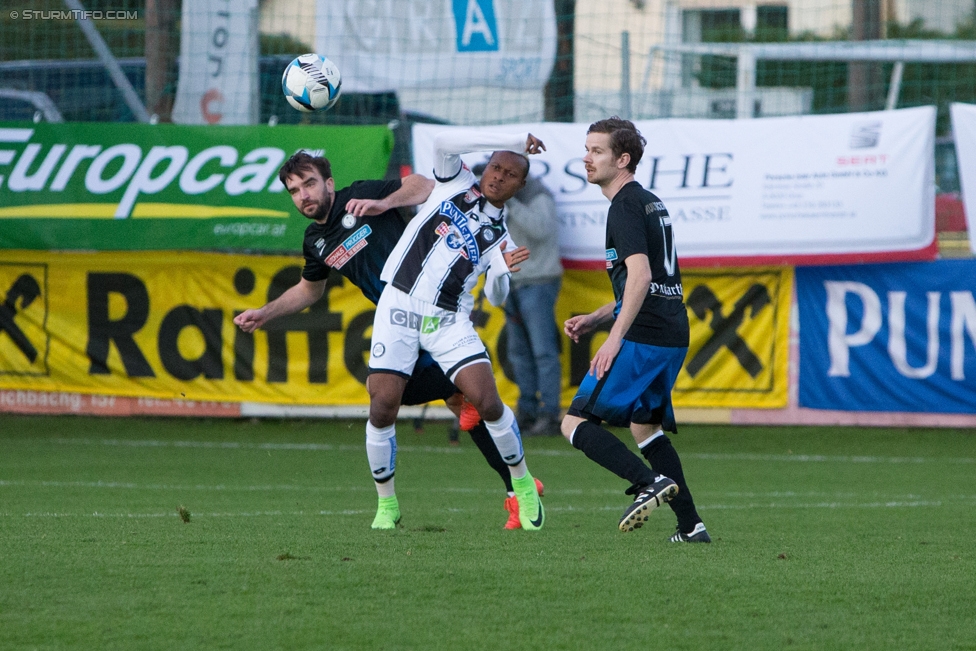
(353, 231)
(458, 234)
(631, 376)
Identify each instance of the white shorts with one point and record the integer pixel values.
(404, 324)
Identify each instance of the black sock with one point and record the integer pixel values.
(482, 438)
(664, 460)
(610, 452)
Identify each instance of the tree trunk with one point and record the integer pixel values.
(559, 95)
(864, 82)
(162, 46)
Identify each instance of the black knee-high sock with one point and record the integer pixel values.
(610, 452)
(482, 438)
(664, 460)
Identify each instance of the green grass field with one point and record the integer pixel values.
(823, 539)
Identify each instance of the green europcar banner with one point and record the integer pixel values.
(102, 187)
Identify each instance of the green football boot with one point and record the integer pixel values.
(531, 514)
(387, 513)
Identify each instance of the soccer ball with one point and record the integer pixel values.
(311, 83)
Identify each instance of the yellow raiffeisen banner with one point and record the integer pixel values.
(740, 331)
(740, 326)
(160, 325)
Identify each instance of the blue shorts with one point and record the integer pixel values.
(636, 389)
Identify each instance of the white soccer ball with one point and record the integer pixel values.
(311, 83)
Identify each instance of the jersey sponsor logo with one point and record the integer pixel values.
(379, 350)
(611, 256)
(460, 221)
(488, 234)
(656, 206)
(423, 324)
(405, 319)
(350, 247)
(430, 324)
(348, 220)
(667, 291)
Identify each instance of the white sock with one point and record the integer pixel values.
(385, 489)
(643, 444)
(505, 433)
(381, 450)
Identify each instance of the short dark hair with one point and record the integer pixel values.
(624, 139)
(302, 161)
(525, 159)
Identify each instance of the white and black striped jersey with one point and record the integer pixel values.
(456, 235)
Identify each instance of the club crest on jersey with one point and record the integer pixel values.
(350, 247)
(611, 256)
(348, 220)
(454, 241)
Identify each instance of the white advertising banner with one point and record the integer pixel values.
(386, 45)
(218, 82)
(854, 187)
(964, 133)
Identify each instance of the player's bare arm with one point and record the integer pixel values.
(638, 282)
(414, 190)
(295, 299)
(581, 324)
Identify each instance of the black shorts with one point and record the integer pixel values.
(427, 383)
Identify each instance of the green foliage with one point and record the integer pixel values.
(282, 44)
(824, 538)
(57, 38)
(922, 83)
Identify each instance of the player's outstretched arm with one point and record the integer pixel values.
(414, 190)
(449, 145)
(295, 299)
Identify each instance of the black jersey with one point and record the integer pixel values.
(355, 247)
(638, 222)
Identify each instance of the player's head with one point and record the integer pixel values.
(504, 175)
(612, 146)
(308, 180)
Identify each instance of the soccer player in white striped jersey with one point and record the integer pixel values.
(457, 235)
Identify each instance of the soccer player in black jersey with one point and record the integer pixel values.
(353, 231)
(631, 376)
